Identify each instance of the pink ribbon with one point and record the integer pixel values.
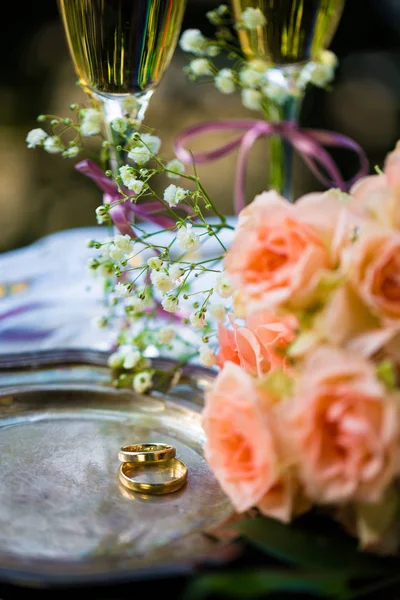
(121, 213)
(308, 142)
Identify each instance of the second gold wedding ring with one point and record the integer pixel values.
(147, 452)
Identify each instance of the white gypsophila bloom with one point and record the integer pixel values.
(162, 281)
(155, 263)
(207, 356)
(170, 304)
(253, 18)
(223, 286)
(176, 167)
(130, 104)
(251, 78)
(197, 319)
(121, 290)
(129, 180)
(200, 66)
(91, 121)
(174, 194)
(115, 360)
(53, 145)
(225, 81)
(212, 51)
(36, 137)
(142, 382)
(166, 335)
(275, 92)
(101, 215)
(321, 75)
(116, 253)
(252, 99)
(187, 238)
(140, 155)
(135, 305)
(175, 271)
(71, 152)
(124, 242)
(131, 359)
(193, 41)
(120, 125)
(329, 59)
(217, 311)
(152, 142)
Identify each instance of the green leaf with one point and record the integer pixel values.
(309, 549)
(387, 374)
(257, 583)
(277, 383)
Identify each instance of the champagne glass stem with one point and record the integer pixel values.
(281, 152)
(116, 108)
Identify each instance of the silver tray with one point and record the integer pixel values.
(64, 517)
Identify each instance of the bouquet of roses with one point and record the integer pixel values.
(305, 410)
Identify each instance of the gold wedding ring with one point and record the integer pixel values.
(160, 477)
(146, 453)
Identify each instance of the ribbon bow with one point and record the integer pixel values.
(308, 142)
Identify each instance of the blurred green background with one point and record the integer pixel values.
(41, 194)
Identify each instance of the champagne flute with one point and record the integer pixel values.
(293, 35)
(121, 50)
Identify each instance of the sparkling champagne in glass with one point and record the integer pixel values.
(294, 33)
(121, 50)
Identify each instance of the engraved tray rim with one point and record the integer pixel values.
(48, 574)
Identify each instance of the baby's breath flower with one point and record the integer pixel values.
(175, 271)
(130, 104)
(166, 335)
(115, 360)
(329, 59)
(223, 286)
(91, 121)
(251, 99)
(198, 319)
(253, 18)
(129, 180)
(71, 152)
(131, 359)
(250, 77)
(53, 145)
(174, 194)
(217, 311)
(116, 253)
(120, 125)
(36, 138)
(152, 142)
(122, 290)
(207, 356)
(162, 281)
(187, 239)
(155, 263)
(275, 92)
(124, 242)
(200, 66)
(102, 215)
(170, 304)
(142, 382)
(193, 41)
(225, 81)
(142, 152)
(176, 167)
(135, 305)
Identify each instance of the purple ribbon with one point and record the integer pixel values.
(121, 213)
(308, 142)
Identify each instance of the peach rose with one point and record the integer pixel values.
(257, 346)
(374, 265)
(280, 249)
(344, 428)
(378, 196)
(243, 446)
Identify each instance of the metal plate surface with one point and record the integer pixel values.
(64, 517)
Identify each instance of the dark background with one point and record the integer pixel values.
(40, 194)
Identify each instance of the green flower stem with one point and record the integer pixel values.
(281, 152)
